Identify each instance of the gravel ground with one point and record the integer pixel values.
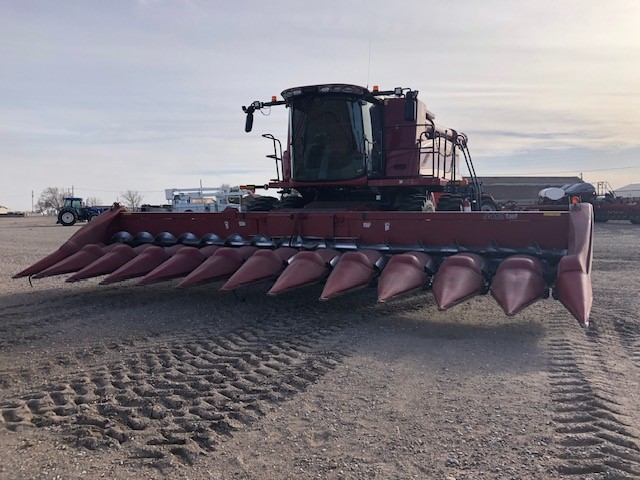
(124, 381)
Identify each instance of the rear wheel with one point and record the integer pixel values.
(488, 206)
(291, 202)
(415, 203)
(450, 203)
(264, 204)
(67, 217)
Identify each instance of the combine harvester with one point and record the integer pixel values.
(360, 179)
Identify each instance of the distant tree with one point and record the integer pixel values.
(51, 198)
(132, 199)
(225, 187)
(92, 201)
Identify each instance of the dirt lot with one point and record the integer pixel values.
(151, 382)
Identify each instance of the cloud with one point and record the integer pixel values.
(118, 95)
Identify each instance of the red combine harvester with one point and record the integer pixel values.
(360, 179)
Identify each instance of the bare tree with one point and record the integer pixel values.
(51, 198)
(92, 201)
(132, 199)
(225, 187)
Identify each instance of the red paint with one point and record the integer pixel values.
(77, 261)
(306, 268)
(262, 265)
(573, 284)
(180, 264)
(404, 273)
(222, 264)
(458, 278)
(518, 283)
(355, 270)
(571, 231)
(109, 262)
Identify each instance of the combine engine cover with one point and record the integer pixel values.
(519, 257)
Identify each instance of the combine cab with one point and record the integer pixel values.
(352, 149)
(360, 179)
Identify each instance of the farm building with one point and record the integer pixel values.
(3, 210)
(629, 191)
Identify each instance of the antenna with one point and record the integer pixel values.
(369, 66)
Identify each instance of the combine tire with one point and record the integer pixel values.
(291, 202)
(488, 206)
(264, 204)
(415, 203)
(67, 217)
(450, 203)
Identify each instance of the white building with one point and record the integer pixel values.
(629, 191)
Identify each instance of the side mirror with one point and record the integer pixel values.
(411, 106)
(249, 123)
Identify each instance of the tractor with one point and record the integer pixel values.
(74, 210)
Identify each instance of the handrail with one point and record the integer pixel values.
(276, 144)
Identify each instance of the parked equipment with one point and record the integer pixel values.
(74, 210)
(606, 204)
(205, 199)
(360, 177)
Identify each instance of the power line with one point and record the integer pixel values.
(484, 174)
(116, 191)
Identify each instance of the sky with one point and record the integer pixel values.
(145, 95)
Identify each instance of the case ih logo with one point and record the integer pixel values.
(500, 216)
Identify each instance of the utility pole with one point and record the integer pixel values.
(31, 201)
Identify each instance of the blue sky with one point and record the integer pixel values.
(146, 95)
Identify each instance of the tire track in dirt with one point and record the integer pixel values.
(627, 328)
(182, 396)
(621, 305)
(630, 336)
(47, 307)
(594, 430)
